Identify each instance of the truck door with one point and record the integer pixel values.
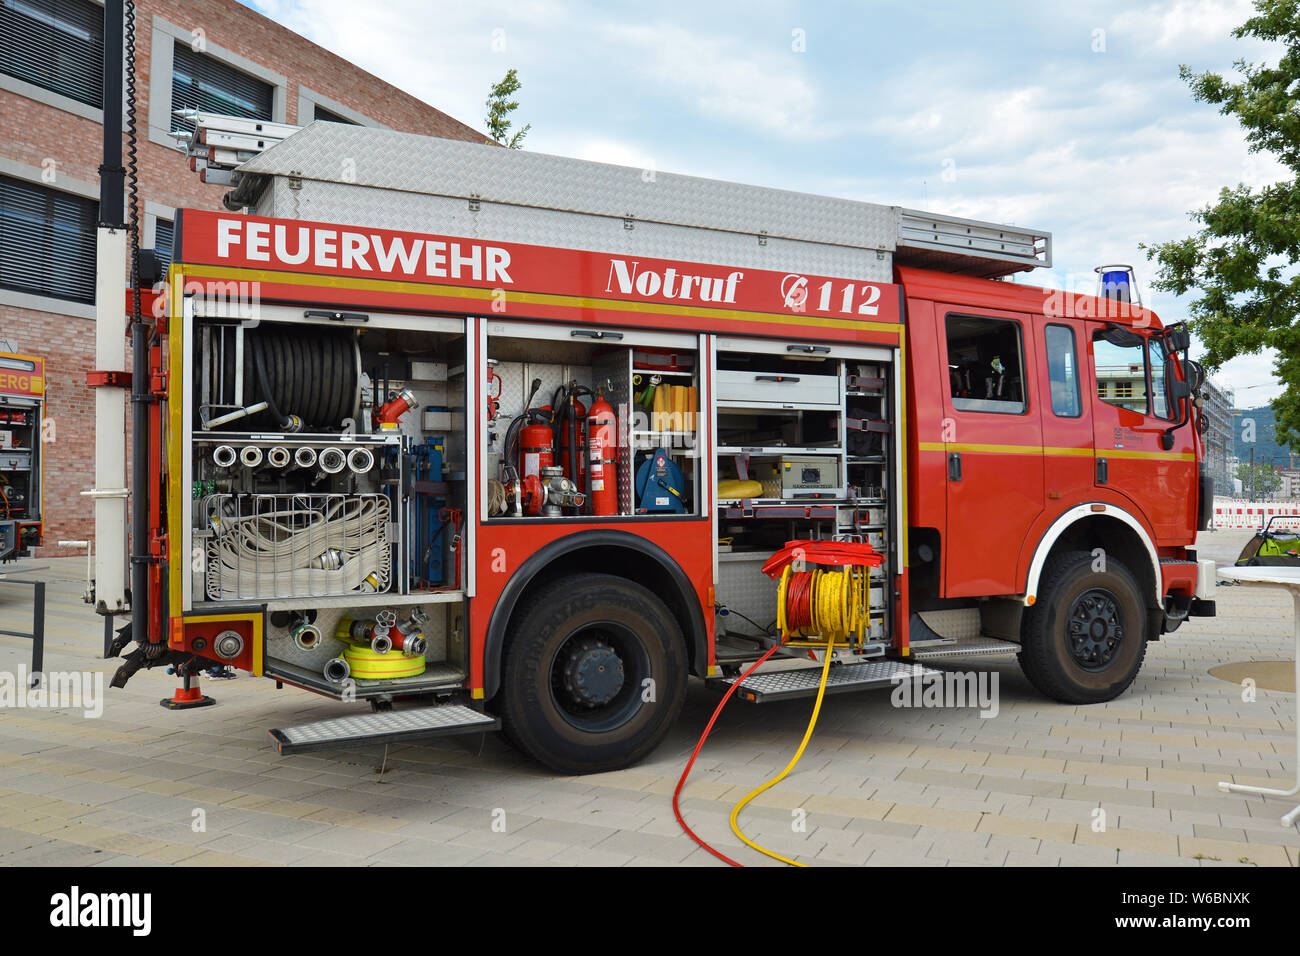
(994, 448)
(1067, 415)
(1131, 410)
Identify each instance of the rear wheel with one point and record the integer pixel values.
(594, 675)
(1083, 641)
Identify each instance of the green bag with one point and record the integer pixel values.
(1272, 548)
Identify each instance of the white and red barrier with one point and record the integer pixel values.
(1237, 514)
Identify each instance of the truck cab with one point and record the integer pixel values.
(1053, 477)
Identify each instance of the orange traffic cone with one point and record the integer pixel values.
(187, 695)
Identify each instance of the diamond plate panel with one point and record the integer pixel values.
(979, 647)
(744, 588)
(514, 389)
(346, 203)
(801, 683)
(382, 727)
(423, 165)
(552, 376)
(957, 624)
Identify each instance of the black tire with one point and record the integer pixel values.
(576, 661)
(1084, 639)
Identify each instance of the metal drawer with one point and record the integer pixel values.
(779, 389)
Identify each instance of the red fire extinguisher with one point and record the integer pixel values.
(536, 449)
(602, 426)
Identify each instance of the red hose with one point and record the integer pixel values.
(798, 601)
(703, 737)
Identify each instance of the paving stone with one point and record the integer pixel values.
(879, 786)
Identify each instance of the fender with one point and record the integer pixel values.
(1078, 513)
(494, 644)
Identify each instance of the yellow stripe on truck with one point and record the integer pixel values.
(1057, 450)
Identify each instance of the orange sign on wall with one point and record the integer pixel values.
(22, 375)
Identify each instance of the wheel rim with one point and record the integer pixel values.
(597, 674)
(1095, 629)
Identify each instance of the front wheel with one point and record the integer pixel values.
(1083, 641)
(594, 676)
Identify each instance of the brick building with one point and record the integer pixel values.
(214, 54)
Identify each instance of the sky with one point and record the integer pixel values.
(1069, 118)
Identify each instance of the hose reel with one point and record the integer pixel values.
(294, 378)
(824, 590)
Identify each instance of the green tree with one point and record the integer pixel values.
(1263, 480)
(1241, 264)
(500, 106)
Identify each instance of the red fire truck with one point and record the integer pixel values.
(487, 438)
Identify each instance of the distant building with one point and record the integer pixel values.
(1218, 437)
(1288, 483)
(1124, 385)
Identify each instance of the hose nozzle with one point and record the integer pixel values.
(361, 460)
(337, 670)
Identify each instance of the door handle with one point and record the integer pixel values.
(954, 466)
(1102, 471)
(594, 334)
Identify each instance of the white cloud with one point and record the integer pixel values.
(724, 79)
(443, 54)
(1182, 23)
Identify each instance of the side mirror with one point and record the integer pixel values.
(1177, 338)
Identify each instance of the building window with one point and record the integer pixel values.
(202, 83)
(57, 45)
(47, 241)
(1121, 373)
(986, 367)
(162, 242)
(321, 113)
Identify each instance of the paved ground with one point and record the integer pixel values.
(877, 786)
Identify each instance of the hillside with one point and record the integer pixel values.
(1267, 449)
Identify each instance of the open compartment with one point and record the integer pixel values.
(592, 423)
(327, 463)
(805, 450)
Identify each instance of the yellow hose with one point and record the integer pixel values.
(837, 607)
(735, 812)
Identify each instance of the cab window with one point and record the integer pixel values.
(986, 367)
(1159, 387)
(1063, 371)
(1121, 374)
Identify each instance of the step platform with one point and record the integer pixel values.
(803, 682)
(972, 647)
(383, 727)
